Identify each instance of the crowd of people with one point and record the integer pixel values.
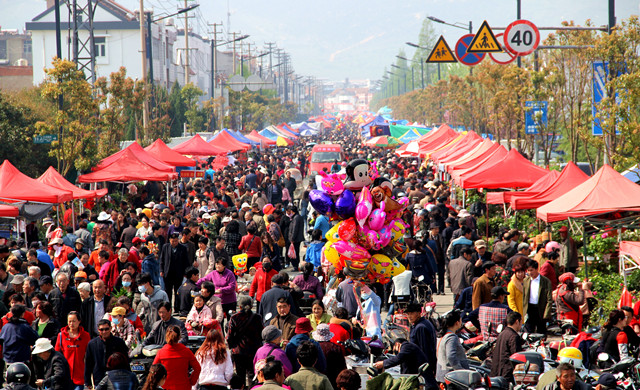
(156, 268)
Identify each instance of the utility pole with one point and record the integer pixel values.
(214, 58)
(234, 51)
(612, 73)
(143, 47)
(186, 45)
(60, 97)
(518, 17)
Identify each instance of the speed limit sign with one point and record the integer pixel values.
(521, 37)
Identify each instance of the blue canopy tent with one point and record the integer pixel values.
(308, 132)
(240, 137)
(410, 135)
(379, 125)
(269, 134)
(632, 173)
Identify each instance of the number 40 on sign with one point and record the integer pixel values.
(521, 37)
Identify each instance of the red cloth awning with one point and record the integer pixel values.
(7, 211)
(225, 141)
(505, 197)
(485, 146)
(571, 177)
(455, 153)
(53, 178)
(128, 167)
(140, 154)
(513, 171)
(471, 138)
(605, 192)
(197, 146)
(16, 186)
(160, 151)
(630, 248)
(488, 158)
(255, 136)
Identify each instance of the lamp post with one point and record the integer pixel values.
(395, 74)
(421, 69)
(404, 76)
(424, 48)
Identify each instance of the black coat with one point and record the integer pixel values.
(55, 372)
(185, 301)
(50, 331)
(87, 314)
(507, 343)
(178, 262)
(63, 304)
(269, 300)
(296, 229)
(95, 359)
(410, 358)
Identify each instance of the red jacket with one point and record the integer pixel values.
(112, 274)
(339, 332)
(261, 283)
(28, 316)
(74, 350)
(178, 359)
(62, 257)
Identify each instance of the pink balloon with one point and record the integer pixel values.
(385, 236)
(373, 239)
(377, 218)
(364, 207)
(347, 229)
(351, 250)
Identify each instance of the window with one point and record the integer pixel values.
(100, 46)
(26, 46)
(3, 50)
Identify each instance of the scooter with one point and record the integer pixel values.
(141, 362)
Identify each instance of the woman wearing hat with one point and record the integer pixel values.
(333, 353)
(51, 367)
(121, 327)
(568, 300)
(272, 338)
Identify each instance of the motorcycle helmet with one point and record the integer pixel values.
(18, 373)
(552, 246)
(570, 355)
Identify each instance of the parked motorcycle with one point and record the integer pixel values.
(142, 361)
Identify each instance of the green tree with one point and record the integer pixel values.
(177, 108)
(78, 119)
(194, 115)
(17, 129)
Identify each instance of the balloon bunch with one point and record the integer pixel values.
(367, 239)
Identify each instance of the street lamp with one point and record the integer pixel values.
(421, 71)
(424, 48)
(398, 78)
(404, 74)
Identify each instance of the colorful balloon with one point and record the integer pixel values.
(331, 254)
(351, 250)
(380, 265)
(377, 218)
(364, 207)
(398, 268)
(332, 235)
(240, 263)
(346, 205)
(321, 201)
(330, 184)
(347, 229)
(385, 236)
(398, 228)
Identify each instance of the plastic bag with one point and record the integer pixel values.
(291, 253)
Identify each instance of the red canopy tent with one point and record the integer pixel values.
(127, 168)
(18, 187)
(7, 211)
(140, 154)
(197, 146)
(52, 178)
(571, 177)
(255, 136)
(512, 171)
(505, 197)
(435, 143)
(469, 139)
(605, 192)
(488, 158)
(225, 141)
(451, 162)
(433, 134)
(160, 151)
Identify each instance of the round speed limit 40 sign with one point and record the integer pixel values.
(521, 37)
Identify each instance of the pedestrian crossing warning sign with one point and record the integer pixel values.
(484, 41)
(441, 52)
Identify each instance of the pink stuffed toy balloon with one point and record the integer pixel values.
(377, 218)
(364, 207)
(351, 250)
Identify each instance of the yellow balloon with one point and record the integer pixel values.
(240, 263)
(398, 268)
(331, 254)
(380, 265)
(398, 230)
(332, 234)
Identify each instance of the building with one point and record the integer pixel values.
(16, 68)
(116, 42)
(199, 60)
(348, 99)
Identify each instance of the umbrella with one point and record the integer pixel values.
(383, 141)
(412, 150)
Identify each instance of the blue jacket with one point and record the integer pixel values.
(45, 258)
(322, 224)
(291, 351)
(151, 266)
(17, 339)
(423, 334)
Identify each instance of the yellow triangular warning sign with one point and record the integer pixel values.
(484, 41)
(441, 52)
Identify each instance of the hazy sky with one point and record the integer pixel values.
(335, 39)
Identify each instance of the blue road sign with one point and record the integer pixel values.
(600, 77)
(535, 117)
(469, 59)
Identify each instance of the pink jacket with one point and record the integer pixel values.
(205, 317)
